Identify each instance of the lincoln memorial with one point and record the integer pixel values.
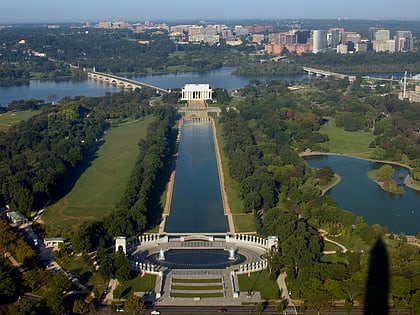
(192, 92)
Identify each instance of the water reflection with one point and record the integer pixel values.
(196, 205)
(197, 259)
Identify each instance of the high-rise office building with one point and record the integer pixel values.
(403, 41)
(303, 36)
(319, 41)
(334, 37)
(382, 35)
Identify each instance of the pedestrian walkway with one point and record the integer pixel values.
(109, 297)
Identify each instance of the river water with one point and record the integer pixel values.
(220, 78)
(363, 197)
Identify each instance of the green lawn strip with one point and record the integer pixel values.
(182, 280)
(9, 118)
(102, 184)
(198, 294)
(244, 222)
(259, 282)
(197, 287)
(136, 284)
(346, 142)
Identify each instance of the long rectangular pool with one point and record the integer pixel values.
(197, 204)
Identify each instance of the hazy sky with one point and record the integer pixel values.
(139, 10)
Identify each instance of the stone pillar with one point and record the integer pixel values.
(121, 244)
(272, 241)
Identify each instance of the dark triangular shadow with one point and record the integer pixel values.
(377, 287)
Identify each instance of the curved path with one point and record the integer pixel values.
(343, 248)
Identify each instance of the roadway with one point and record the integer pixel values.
(248, 310)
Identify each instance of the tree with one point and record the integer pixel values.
(134, 304)
(7, 285)
(121, 266)
(385, 172)
(273, 262)
(32, 277)
(55, 298)
(415, 302)
(260, 307)
(318, 301)
(280, 307)
(81, 307)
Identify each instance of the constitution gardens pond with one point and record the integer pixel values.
(363, 197)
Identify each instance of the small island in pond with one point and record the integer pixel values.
(383, 177)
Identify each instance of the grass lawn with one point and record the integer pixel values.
(244, 222)
(137, 284)
(198, 294)
(354, 143)
(10, 118)
(259, 282)
(182, 280)
(102, 184)
(196, 287)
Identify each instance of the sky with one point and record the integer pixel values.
(55, 11)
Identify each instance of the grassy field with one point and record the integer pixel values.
(354, 143)
(259, 282)
(10, 118)
(191, 288)
(205, 280)
(102, 184)
(136, 284)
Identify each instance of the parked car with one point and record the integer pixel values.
(155, 312)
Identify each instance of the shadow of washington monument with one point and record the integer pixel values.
(377, 286)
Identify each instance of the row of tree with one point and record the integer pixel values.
(138, 208)
(38, 155)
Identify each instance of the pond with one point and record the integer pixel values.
(363, 197)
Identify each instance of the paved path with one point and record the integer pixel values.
(343, 248)
(113, 283)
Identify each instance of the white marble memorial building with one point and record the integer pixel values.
(192, 92)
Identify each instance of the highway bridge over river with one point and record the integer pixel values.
(122, 82)
(325, 73)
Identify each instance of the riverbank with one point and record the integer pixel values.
(408, 181)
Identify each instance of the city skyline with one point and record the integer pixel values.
(53, 11)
